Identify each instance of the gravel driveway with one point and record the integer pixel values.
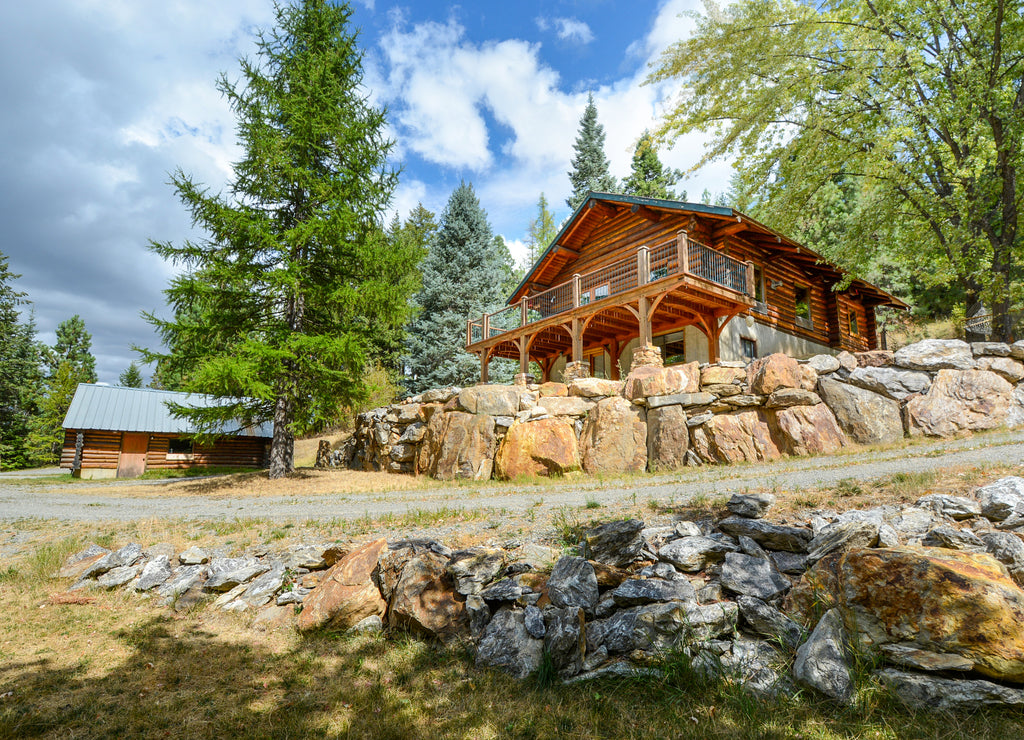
(54, 502)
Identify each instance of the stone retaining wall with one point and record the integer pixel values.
(662, 418)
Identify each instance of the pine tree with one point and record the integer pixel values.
(648, 177)
(464, 275)
(590, 167)
(131, 377)
(540, 233)
(296, 286)
(74, 345)
(20, 374)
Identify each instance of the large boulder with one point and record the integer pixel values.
(616, 543)
(566, 406)
(508, 645)
(614, 438)
(542, 447)
(662, 381)
(770, 373)
(661, 627)
(424, 599)
(595, 387)
(668, 438)
(864, 416)
(807, 430)
(889, 381)
(1009, 369)
(458, 445)
(938, 600)
(821, 661)
(491, 400)
(960, 400)
(347, 594)
(723, 375)
(935, 354)
(743, 436)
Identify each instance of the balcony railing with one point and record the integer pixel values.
(649, 265)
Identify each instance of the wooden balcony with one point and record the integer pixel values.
(677, 283)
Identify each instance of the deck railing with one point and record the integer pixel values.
(648, 265)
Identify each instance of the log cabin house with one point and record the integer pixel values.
(699, 282)
(123, 432)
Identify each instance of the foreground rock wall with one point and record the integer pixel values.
(930, 591)
(662, 418)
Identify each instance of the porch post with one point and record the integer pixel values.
(576, 291)
(683, 251)
(713, 341)
(613, 351)
(487, 326)
(645, 321)
(577, 340)
(524, 356)
(522, 312)
(485, 358)
(643, 266)
(750, 287)
(469, 332)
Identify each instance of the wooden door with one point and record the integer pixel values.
(132, 461)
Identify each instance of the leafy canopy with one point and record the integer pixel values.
(918, 106)
(295, 287)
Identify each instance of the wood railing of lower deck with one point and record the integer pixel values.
(679, 256)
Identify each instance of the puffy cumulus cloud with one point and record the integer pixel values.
(567, 29)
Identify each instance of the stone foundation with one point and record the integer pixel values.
(574, 371)
(646, 356)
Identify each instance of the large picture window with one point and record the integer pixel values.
(673, 347)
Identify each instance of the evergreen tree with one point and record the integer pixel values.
(131, 377)
(648, 177)
(74, 345)
(296, 286)
(541, 232)
(47, 432)
(464, 275)
(20, 375)
(590, 167)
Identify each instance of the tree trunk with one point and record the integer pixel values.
(282, 449)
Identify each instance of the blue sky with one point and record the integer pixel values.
(104, 98)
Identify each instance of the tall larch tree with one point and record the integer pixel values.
(20, 375)
(590, 167)
(648, 177)
(465, 273)
(73, 345)
(541, 232)
(295, 285)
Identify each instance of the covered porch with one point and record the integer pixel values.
(652, 291)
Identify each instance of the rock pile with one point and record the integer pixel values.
(933, 590)
(662, 418)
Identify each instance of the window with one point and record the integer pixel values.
(179, 448)
(598, 366)
(749, 348)
(803, 306)
(673, 347)
(854, 329)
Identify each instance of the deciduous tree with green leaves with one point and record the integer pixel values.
(648, 177)
(20, 375)
(541, 231)
(467, 272)
(919, 105)
(590, 167)
(295, 286)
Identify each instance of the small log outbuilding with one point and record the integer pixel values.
(123, 432)
(698, 282)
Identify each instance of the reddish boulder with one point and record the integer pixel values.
(542, 447)
(960, 400)
(614, 438)
(736, 437)
(807, 430)
(347, 593)
(770, 373)
(424, 599)
(458, 445)
(650, 380)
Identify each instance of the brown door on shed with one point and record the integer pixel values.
(133, 455)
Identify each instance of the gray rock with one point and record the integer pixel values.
(665, 571)
(618, 669)
(910, 655)
(566, 405)
(565, 639)
(754, 665)
(913, 522)
(823, 364)
(230, 599)
(194, 556)
(686, 400)
(119, 576)
(155, 572)
(944, 694)
(789, 562)
(772, 536)
(749, 576)
(765, 619)
(593, 660)
(296, 596)
(695, 421)
(506, 644)
(472, 568)
(126, 556)
(229, 577)
(890, 381)
(784, 398)
(371, 625)
(750, 505)
(1017, 349)
(262, 588)
(954, 539)
(935, 354)
(479, 614)
(744, 400)
(310, 557)
(692, 554)
(1003, 498)
(415, 432)
(507, 589)
(751, 548)
(183, 578)
(440, 395)
(821, 661)
(841, 536)
(615, 543)
(659, 627)
(534, 621)
(710, 593)
(990, 349)
(539, 557)
(954, 507)
(1008, 549)
(864, 416)
(887, 536)
(635, 591)
(573, 583)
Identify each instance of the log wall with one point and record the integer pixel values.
(102, 450)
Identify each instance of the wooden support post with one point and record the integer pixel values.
(643, 266)
(577, 340)
(751, 289)
(485, 358)
(524, 357)
(469, 332)
(545, 366)
(683, 251)
(487, 326)
(645, 321)
(713, 340)
(576, 291)
(613, 351)
(522, 312)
